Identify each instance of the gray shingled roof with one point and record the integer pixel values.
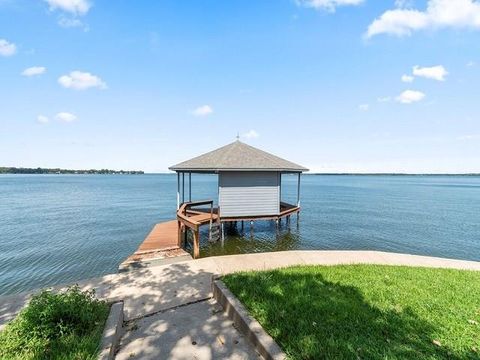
(237, 156)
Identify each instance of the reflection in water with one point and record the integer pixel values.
(262, 236)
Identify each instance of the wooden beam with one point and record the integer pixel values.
(196, 244)
(179, 224)
(284, 213)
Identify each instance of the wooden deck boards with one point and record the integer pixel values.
(164, 236)
(160, 247)
(202, 218)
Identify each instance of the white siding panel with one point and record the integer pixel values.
(249, 193)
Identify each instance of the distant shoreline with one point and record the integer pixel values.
(395, 174)
(58, 171)
(357, 174)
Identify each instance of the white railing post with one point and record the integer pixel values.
(183, 187)
(298, 189)
(178, 190)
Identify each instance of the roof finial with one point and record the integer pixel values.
(238, 136)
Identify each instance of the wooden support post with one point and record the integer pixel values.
(242, 226)
(196, 244)
(210, 223)
(222, 232)
(180, 245)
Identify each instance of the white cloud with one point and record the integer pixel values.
(329, 5)
(7, 48)
(203, 110)
(42, 119)
(251, 134)
(65, 117)
(34, 70)
(75, 7)
(364, 107)
(398, 22)
(403, 3)
(384, 99)
(435, 72)
(407, 78)
(438, 14)
(470, 64)
(79, 80)
(410, 96)
(70, 23)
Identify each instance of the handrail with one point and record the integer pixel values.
(289, 208)
(188, 221)
(198, 203)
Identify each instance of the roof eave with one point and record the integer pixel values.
(291, 170)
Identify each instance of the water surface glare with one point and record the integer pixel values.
(64, 228)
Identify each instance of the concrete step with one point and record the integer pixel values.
(154, 258)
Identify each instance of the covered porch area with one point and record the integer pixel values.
(249, 188)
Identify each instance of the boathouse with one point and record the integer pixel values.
(249, 188)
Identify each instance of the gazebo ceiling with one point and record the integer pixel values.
(237, 156)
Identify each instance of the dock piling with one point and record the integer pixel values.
(196, 245)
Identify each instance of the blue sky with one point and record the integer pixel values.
(335, 85)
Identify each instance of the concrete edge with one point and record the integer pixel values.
(127, 266)
(246, 324)
(112, 332)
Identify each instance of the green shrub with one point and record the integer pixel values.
(63, 325)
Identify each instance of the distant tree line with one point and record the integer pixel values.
(15, 170)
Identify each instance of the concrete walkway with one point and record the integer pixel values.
(197, 331)
(154, 290)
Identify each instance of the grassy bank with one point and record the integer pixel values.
(66, 325)
(366, 311)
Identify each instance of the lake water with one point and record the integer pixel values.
(63, 228)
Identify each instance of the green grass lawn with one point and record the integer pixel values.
(62, 326)
(365, 311)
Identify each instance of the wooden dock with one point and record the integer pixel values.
(159, 247)
(166, 241)
(164, 236)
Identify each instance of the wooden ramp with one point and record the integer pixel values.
(160, 247)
